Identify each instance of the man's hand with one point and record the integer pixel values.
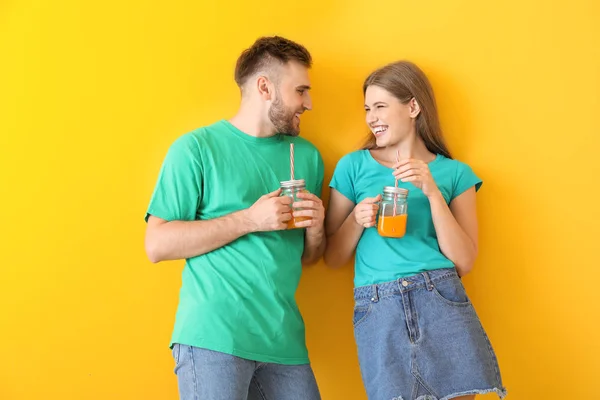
(312, 207)
(270, 212)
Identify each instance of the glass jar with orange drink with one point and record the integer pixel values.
(292, 188)
(393, 212)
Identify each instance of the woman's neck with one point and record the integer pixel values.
(409, 148)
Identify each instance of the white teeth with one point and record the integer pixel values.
(379, 129)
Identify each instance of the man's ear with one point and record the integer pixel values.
(265, 88)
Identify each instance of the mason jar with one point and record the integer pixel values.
(291, 189)
(393, 211)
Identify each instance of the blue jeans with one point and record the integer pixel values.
(210, 375)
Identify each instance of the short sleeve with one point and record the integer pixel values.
(343, 178)
(464, 179)
(178, 191)
(318, 189)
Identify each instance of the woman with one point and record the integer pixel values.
(417, 333)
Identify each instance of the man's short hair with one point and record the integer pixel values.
(267, 53)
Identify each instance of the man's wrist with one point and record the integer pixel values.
(316, 233)
(242, 219)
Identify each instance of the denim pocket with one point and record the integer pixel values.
(175, 351)
(362, 309)
(451, 291)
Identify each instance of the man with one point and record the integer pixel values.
(238, 332)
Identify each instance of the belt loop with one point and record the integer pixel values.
(428, 282)
(374, 294)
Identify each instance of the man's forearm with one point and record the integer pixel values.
(174, 240)
(314, 247)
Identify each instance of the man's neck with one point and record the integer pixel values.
(249, 121)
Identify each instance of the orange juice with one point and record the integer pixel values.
(392, 225)
(292, 222)
(291, 189)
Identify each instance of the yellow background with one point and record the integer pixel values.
(93, 93)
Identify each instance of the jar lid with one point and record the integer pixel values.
(293, 183)
(395, 190)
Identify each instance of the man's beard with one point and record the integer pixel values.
(282, 118)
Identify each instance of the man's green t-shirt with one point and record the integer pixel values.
(238, 299)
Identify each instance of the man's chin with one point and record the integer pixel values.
(288, 129)
(290, 132)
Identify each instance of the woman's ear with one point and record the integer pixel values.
(415, 109)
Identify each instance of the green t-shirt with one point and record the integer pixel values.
(380, 259)
(238, 299)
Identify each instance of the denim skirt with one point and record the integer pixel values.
(419, 338)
